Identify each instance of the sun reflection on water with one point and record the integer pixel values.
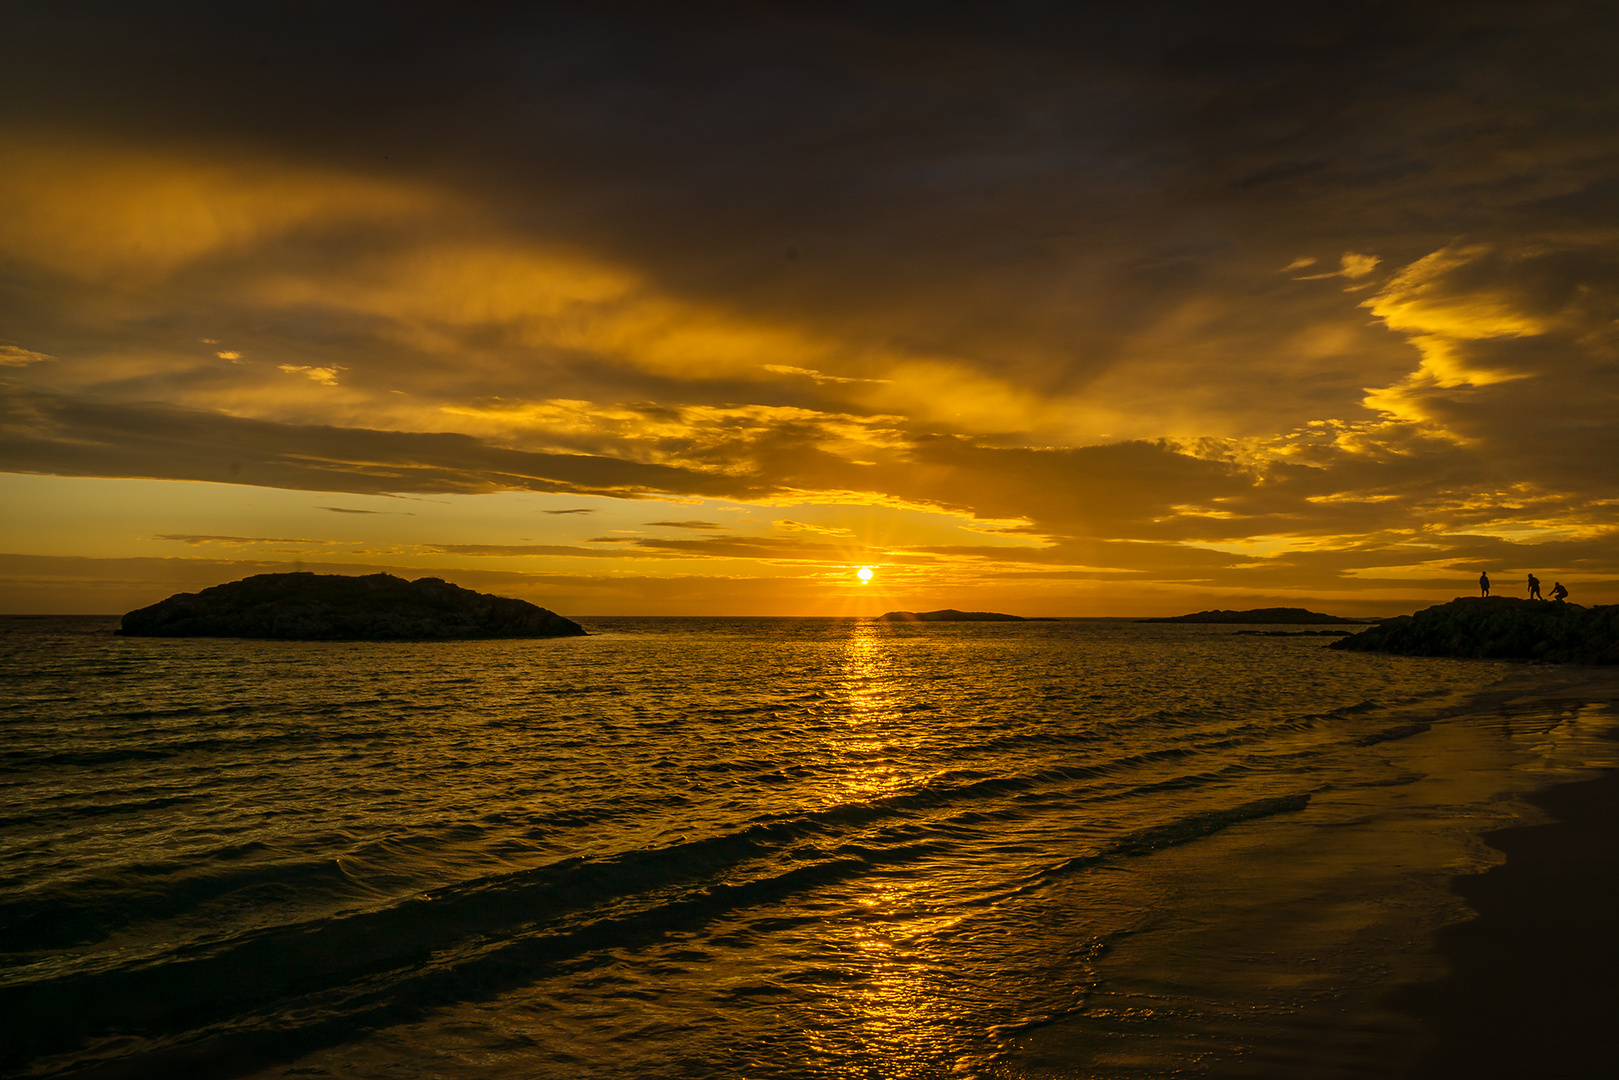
(861, 738)
(899, 1012)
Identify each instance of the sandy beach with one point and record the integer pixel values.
(1531, 992)
(1456, 923)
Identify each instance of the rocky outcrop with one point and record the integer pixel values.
(1261, 615)
(1498, 628)
(948, 615)
(336, 607)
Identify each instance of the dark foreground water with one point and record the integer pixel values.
(741, 848)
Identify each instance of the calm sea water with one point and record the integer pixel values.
(739, 848)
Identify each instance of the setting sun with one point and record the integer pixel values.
(864, 574)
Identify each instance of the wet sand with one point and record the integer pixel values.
(1338, 946)
(1532, 990)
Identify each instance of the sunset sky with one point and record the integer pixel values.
(1051, 308)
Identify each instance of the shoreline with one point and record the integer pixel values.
(1361, 936)
(1529, 992)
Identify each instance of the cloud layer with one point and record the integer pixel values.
(1255, 301)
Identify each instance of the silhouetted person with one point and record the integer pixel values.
(1559, 594)
(1484, 583)
(1534, 588)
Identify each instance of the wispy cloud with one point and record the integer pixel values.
(326, 376)
(521, 550)
(1352, 265)
(196, 539)
(818, 376)
(16, 356)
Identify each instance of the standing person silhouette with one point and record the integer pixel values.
(1559, 594)
(1484, 582)
(1534, 588)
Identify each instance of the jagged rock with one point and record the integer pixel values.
(336, 607)
(1261, 615)
(1500, 628)
(948, 615)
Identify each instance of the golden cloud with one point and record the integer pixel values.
(1441, 312)
(16, 356)
(92, 210)
(326, 376)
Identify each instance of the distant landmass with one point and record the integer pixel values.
(1261, 615)
(948, 615)
(336, 607)
(1499, 628)
(1293, 633)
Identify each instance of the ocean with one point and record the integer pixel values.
(689, 847)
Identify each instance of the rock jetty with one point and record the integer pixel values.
(1498, 628)
(1261, 615)
(336, 607)
(948, 615)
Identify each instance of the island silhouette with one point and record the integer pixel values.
(303, 606)
(1259, 615)
(948, 615)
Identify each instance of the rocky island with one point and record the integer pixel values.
(336, 607)
(1498, 628)
(948, 615)
(1260, 615)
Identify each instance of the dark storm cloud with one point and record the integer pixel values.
(1064, 173)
